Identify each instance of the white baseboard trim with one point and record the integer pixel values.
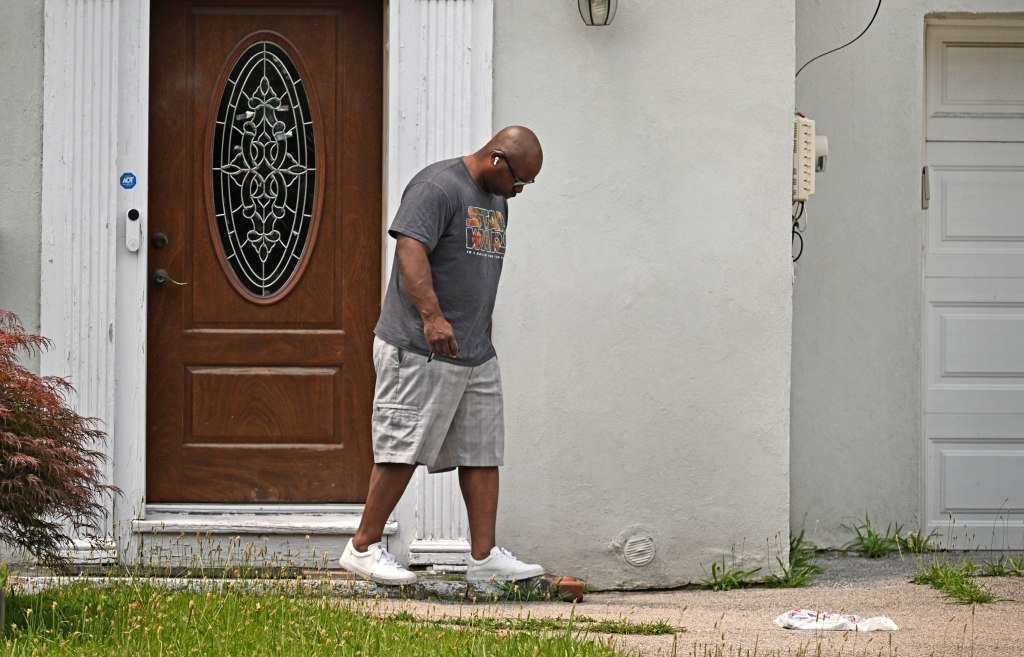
(83, 552)
(441, 552)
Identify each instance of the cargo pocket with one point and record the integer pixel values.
(396, 429)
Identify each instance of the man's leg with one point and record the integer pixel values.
(480, 490)
(476, 444)
(388, 482)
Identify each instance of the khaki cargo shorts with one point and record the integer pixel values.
(434, 413)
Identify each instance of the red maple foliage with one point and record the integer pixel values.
(50, 474)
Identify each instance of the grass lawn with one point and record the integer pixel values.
(284, 618)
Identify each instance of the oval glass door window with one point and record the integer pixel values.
(264, 173)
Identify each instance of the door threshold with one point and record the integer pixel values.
(258, 519)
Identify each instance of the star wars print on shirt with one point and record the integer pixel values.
(485, 233)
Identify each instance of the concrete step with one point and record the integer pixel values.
(239, 536)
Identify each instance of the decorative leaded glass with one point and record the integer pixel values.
(264, 174)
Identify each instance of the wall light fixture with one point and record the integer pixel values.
(598, 12)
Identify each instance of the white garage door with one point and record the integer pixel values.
(974, 284)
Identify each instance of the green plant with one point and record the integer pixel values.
(916, 543)
(5, 574)
(800, 567)
(530, 590)
(1004, 567)
(954, 581)
(285, 619)
(536, 589)
(50, 475)
(872, 544)
(546, 624)
(726, 579)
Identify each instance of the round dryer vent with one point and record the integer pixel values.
(639, 550)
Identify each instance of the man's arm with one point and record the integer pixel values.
(414, 269)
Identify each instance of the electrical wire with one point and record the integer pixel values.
(845, 44)
(797, 230)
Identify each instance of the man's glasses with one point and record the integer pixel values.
(516, 180)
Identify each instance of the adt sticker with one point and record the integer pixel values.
(128, 180)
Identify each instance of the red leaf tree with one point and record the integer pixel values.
(50, 476)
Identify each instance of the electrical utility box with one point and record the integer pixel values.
(803, 158)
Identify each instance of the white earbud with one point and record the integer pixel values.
(495, 161)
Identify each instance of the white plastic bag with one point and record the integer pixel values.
(808, 619)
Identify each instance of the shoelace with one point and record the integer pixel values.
(386, 557)
(505, 554)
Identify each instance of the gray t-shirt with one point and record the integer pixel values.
(464, 229)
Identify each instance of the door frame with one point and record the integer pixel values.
(94, 289)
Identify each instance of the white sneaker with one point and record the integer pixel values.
(376, 564)
(501, 566)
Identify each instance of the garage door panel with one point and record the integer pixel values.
(994, 531)
(976, 479)
(975, 353)
(969, 265)
(974, 284)
(980, 343)
(982, 479)
(976, 82)
(954, 427)
(975, 226)
(979, 501)
(984, 206)
(978, 290)
(990, 75)
(973, 399)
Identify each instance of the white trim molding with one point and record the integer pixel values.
(132, 269)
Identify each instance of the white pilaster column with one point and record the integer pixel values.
(79, 227)
(439, 106)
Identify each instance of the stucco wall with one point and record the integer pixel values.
(643, 322)
(857, 326)
(21, 47)
(21, 78)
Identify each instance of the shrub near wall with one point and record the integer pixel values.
(50, 477)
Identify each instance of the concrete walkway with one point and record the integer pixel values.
(733, 623)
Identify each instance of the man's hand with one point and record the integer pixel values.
(414, 268)
(440, 337)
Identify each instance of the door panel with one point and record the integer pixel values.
(975, 223)
(975, 81)
(974, 286)
(262, 405)
(975, 346)
(261, 391)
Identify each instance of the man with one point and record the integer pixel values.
(438, 399)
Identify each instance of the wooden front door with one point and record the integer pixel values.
(265, 199)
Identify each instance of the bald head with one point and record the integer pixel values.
(511, 158)
(517, 142)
